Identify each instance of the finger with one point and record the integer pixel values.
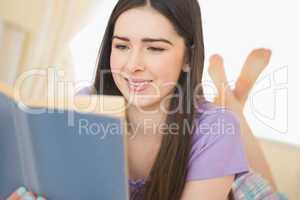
(217, 73)
(255, 63)
(28, 196)
(41, 198)
(17, 195)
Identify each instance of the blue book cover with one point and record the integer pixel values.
(61, 153)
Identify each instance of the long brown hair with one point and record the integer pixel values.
(168, 174)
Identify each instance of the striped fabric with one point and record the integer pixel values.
(251, 186)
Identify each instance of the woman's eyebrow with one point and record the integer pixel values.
(144, 39)
(157, 40)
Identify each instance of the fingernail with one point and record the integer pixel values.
(27, 197)
(40, 198)
(21, 191)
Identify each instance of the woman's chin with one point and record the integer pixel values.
(142, 103)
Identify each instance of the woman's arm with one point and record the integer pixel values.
(212, 189)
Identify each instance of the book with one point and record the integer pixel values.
(63, 150)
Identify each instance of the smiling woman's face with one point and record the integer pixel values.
(146, 50)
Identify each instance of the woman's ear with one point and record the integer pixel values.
(186, 65)
(186, 68)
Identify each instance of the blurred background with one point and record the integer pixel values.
(44, 42)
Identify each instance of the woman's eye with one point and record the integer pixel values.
(156, 49)
(121, 47)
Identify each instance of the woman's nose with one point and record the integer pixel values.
(135, 61)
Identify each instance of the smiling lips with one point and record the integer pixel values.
(138, 85)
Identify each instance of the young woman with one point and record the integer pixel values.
(153, 55)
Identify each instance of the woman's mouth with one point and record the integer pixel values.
(138, 85)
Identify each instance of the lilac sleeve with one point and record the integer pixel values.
(217, 148)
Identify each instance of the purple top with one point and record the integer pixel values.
(217, 148)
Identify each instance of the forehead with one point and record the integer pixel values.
(143, 22)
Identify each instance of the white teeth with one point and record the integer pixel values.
(138, 84)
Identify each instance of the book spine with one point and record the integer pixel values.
(26, 149)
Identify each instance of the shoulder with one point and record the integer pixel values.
(217, 148)
(207, 111)
(213, 122)
(88, 90)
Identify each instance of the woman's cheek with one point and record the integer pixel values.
(167, 70)
(115, 61)
(116, 65)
